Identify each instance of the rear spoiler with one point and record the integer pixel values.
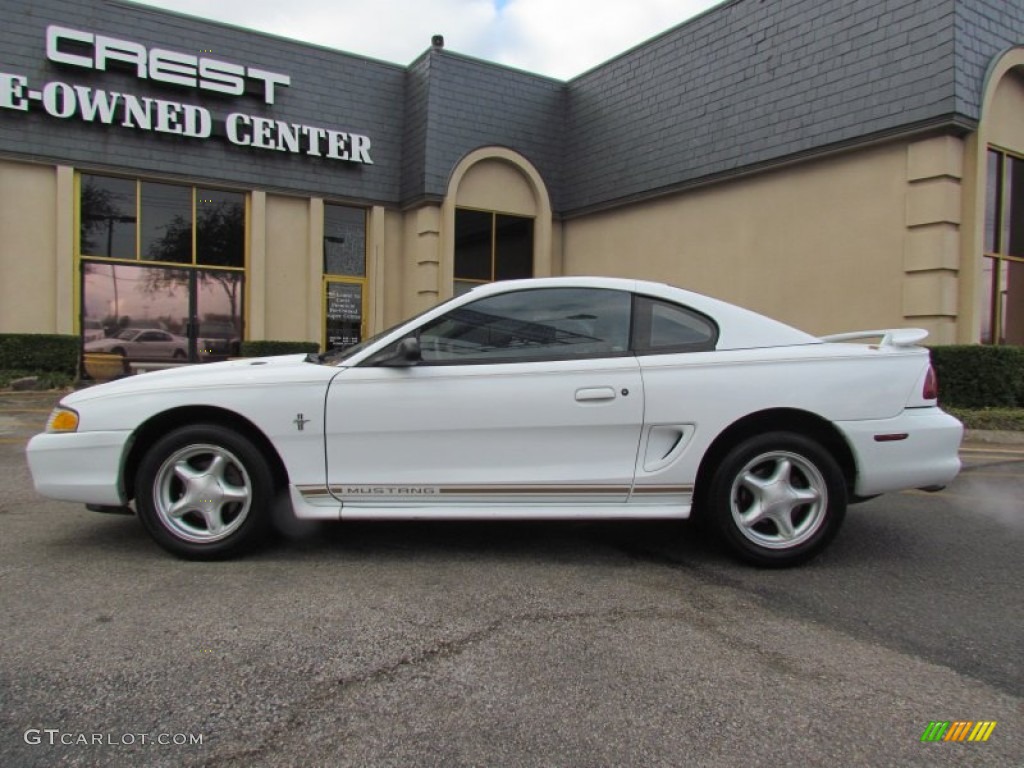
(893, 337)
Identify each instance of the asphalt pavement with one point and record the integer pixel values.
(513, 644)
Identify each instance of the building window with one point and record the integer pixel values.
(1003, 268)
(491, 246)
(162, 270)
(157, 222)
(344, 275)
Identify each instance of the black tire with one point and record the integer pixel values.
(119, 351)
(203, 492)
(179, 354)
(777, 499)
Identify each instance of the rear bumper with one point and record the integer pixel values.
(78, 466)
(928, 455)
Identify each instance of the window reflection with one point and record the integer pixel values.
(160, 313)
(1013, 303)
(140, 313)
(166, 228)
(344, 241)
(1002, 318)
(220, 228)
(219, 314)
(107, 217)
(121, 301)
(491, 246)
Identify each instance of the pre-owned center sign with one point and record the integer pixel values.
(78, 48)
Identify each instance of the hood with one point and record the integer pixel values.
(247, 371)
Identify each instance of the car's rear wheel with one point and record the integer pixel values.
(778, 499)
(203, 492)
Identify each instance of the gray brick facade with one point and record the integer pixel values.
(747, 84)
(328, 89)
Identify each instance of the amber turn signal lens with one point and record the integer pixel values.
(62, 420)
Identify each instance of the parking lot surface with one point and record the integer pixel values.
(512, 644)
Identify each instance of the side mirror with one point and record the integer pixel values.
(407, 354)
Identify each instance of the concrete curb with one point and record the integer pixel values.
(993, 437)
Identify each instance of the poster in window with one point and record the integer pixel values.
(344, 314)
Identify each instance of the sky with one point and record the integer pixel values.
(557, 38)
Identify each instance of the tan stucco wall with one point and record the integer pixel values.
(29, 250)
(1006, 113)
(496, 185)
(290, 299)
(390, 270)
(819, 245)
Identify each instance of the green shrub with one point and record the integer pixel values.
(980, 376)
(39, 352)
(47, 379)
(269, 348)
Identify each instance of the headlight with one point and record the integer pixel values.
(62, 420)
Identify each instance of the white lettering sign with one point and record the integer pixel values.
(158, 64)
(88, 50)
(94, 105)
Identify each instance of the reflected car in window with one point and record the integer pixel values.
(142, 344)
(92, 330)
(218, 340)
(548, 399)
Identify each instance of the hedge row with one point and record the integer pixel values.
(40, 352)
(269, 348)
(980, 376)
(55, 352)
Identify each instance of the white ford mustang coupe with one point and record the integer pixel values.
(559, 398)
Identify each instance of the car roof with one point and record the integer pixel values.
(739, 328)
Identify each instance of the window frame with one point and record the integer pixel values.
(138, 258)
(469, 282)
(996, 289)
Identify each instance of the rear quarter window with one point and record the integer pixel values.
(661, 327)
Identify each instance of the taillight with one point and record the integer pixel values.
(931, 385)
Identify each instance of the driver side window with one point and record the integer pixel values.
(529, 325)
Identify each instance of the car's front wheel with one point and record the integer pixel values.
(778, 499)
(203, 492)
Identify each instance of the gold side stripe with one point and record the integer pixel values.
(464, 490)
(535, 489)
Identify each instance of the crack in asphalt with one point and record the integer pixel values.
(797, 607)
(273, 739)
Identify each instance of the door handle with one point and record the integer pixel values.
(591, 394)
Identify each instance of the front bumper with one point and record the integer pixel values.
(927, 456)
(78, 466)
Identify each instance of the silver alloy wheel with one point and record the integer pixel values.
(778, 500)
(202, 493)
